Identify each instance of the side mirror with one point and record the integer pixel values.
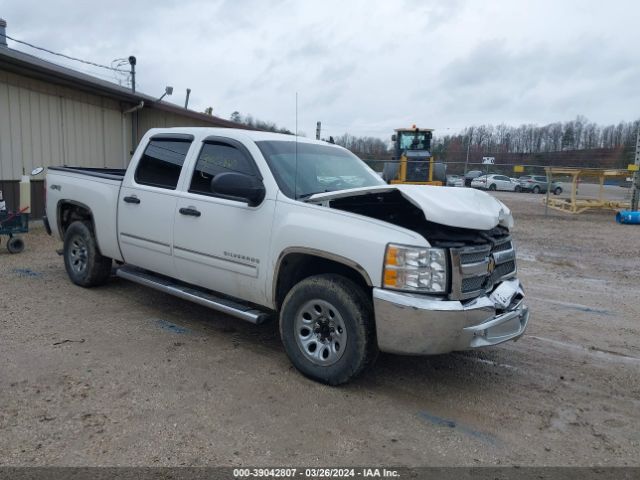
(37, 171)
(393, 138)
(239, 186)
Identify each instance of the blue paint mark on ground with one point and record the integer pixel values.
(445, 422)
(576, 306)
(26, 272)
(589, 310)
(171, 327)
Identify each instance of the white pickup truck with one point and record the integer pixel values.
(261, 225)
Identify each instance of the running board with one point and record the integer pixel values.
(192, 294)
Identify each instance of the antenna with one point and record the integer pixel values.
(295, 178)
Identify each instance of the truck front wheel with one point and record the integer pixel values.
(82, 260)
(327, 327)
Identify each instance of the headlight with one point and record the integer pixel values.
(416, 269)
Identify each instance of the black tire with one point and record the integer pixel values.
(353, 313)
(557, 191)
(536, 189)
(83, 261)
(15, 245)
(493, 187)
(518, 189)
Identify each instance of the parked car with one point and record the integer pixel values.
(265, 226)
(538, 184)
(455, 181)
(470, 176)
(493, 182)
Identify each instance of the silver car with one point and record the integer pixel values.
(538, 184)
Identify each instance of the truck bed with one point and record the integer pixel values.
(109, 173)
(94, 189)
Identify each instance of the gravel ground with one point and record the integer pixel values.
(123, 375)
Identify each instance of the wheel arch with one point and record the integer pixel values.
(68, 211)
(297, 263)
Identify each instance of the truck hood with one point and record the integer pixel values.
(454, 207)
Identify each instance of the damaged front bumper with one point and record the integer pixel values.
(413, 324)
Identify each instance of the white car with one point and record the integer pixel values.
(494, 182)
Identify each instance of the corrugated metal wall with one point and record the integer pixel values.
(151, 118)
(43, 125)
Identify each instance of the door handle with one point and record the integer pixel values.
(132, 199)
(190, 211)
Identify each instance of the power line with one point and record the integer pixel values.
(64, 56)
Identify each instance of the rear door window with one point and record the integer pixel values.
(161, 163)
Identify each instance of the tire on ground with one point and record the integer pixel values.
(353, 305)
(83, 261)
(15, 245)
(536, 189)
(493, 187)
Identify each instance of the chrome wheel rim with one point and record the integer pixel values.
(320, 332)
(78, 255)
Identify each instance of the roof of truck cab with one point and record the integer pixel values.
(255, 135)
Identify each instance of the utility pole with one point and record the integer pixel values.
(318, 127)
(132, 62)
(635, 195)
(186, 100)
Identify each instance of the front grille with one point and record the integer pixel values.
(476, 269)
(472, 284)
(476, 256)
(501, 247)
(502, 270)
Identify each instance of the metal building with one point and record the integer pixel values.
(53, 115)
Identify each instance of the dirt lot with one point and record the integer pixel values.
(123, 375)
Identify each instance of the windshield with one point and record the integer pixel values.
(320, 168)
(413, 140)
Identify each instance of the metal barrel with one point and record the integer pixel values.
(629, 217)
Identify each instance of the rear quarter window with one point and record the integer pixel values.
(161, 163)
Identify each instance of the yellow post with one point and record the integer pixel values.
(402, 174)
(430, 170)
(574, 188)
(601, 191)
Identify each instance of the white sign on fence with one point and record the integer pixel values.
(488, 160)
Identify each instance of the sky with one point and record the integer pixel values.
(362, 67)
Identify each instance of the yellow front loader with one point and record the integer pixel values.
(412, 162)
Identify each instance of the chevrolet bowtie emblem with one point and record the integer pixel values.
(492, 265)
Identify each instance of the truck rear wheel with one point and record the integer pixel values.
(82, 260)
(327, 328)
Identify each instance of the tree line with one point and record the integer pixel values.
(578, 134)
(258, 124)
(364, 147)
(571, 136)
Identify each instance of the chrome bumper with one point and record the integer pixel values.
(414, 324)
